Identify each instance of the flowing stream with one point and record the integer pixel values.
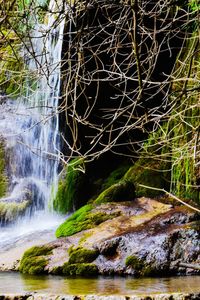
(30, 130)
(96, 286)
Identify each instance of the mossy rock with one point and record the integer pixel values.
(82, 219)
(3, 176)
(57, 270)
(12, 77)
(9, 211)
(82, 255)
(71, 187)
(140, 267)
(34, 261)
(33, 265)
(75, 223)
(150, 173)
(81, 269)
(134, 262)
(115, 176)
(124, 190)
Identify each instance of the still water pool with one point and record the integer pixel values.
(17, 283)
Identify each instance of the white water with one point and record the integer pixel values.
(30, 127)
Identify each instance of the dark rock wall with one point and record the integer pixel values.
(103, 103)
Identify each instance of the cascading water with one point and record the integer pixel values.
(30, 129)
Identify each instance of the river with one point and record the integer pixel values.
(17, 283)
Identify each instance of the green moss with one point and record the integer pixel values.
(3, 177)
(37, 251)
(134, 262)
(81, 269)
(33, 260)
(77, 222)
(10, 210)
(57, 270)
(81, 220)
(115, 176)
(12, 75)
(70, 187)
(148, 172)
(121, 191)
(139, 266)
(148, 270)
(82, 255)
(32, 265)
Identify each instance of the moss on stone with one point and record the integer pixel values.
(124, 190)
(12, 67)
(3, 177)
(82, 219)
(140, 267)
(37, 251)
(34, 261)
(147, 270)
(82, 255)
(75, 223)
(81, 269)
(70, 187)
(33, 265)
(115, 176)
(10, 210)
(136, 263)
(148, 172)
(57, 270)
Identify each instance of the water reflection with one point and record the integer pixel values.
(17, 283)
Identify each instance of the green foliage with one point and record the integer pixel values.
(185, 128)
(33, 260)
(70, 187)
(82, 219)
(194, 5)
(124, 190)
(82, 255)
(83, 269)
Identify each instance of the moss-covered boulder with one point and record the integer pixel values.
(124, 190)
(80, 263)
(12, 76)
(9, 211)
(81, 255)
(150, 173)
(72, 187)
(3, 175)
(86, 217)
(34, 260)
(82, 269)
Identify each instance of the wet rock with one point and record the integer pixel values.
(146, 238)
(16, 204)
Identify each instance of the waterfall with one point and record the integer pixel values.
(46, 63)
(30, 126)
